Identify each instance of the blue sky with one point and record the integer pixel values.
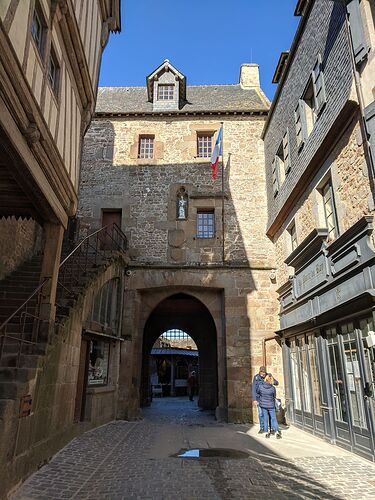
(207, 40)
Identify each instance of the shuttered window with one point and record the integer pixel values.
(286, 153)
(330, 210)
(275, 175)
(357, 32)
(301, 125)
(370, 126)
(318, 86)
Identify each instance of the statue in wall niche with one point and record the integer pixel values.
(182, 204)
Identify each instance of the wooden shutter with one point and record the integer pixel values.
(300, 121)
(286, 152)
(318, 86)
(275, 176)
(356, 29)
(370, 126)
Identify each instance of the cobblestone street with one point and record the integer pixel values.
(128, 460)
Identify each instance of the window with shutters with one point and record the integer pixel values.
(357, 33)
(275, 176)
(310, 105)
(330, 210)
(318, 86)
(281, 163)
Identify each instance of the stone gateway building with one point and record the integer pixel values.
(199, 257)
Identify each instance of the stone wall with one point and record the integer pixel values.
(242, 303)
(353, 196)
(29, 442)
(167, 257)
(146, 190)
(20, 240)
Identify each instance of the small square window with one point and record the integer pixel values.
(37, 29)
(146, 147)
(204, 146)
(53, 71)
(205, 224)
(165, 92)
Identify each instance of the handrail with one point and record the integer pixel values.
(85, 239)
(71, 254)
(23, 305)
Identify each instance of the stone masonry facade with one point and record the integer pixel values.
(166, 256)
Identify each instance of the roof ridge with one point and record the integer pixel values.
(188, 86)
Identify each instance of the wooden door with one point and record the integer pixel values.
(110, 217)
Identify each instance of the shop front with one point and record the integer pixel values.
(328, 337)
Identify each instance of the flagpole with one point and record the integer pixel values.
(222, 191)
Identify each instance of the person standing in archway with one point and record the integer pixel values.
(192, 384)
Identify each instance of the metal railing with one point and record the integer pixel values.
(87, 256)
(90, 253)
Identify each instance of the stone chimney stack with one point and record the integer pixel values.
(249, 76)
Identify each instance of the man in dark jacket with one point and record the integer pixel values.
(257, 380)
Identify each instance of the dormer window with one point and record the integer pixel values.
(165, 92)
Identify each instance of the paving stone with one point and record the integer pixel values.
(129, 461)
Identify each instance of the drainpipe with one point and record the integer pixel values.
(264, 354)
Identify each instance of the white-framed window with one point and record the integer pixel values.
(205, 224)
(165, 92)
(204, 145)
(146, 147)
(318, 86)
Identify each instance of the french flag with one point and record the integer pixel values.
(218, 150)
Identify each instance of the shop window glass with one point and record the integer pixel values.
(338, 380)
(98, 362)
(353, 376)
(294, 373)
(314, 377)
(105, 308)
(306, 391)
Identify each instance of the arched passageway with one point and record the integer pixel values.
(184, 312)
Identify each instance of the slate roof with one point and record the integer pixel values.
(200, 98)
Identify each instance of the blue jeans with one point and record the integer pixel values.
(267, 414)
(261, 418)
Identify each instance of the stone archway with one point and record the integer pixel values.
(185, 312)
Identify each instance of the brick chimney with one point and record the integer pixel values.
(249, 76)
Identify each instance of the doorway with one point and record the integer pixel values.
(185, 313)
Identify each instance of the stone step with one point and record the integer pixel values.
(22, 361)
(9, 374)
(11, 390)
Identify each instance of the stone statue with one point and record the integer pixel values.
(182, 207)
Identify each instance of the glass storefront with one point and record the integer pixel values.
(337, 365)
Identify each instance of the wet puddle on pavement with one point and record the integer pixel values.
(198, 453)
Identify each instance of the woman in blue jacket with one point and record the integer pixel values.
(266, 393)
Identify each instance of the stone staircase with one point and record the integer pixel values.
(18, 356)
(21, 347)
